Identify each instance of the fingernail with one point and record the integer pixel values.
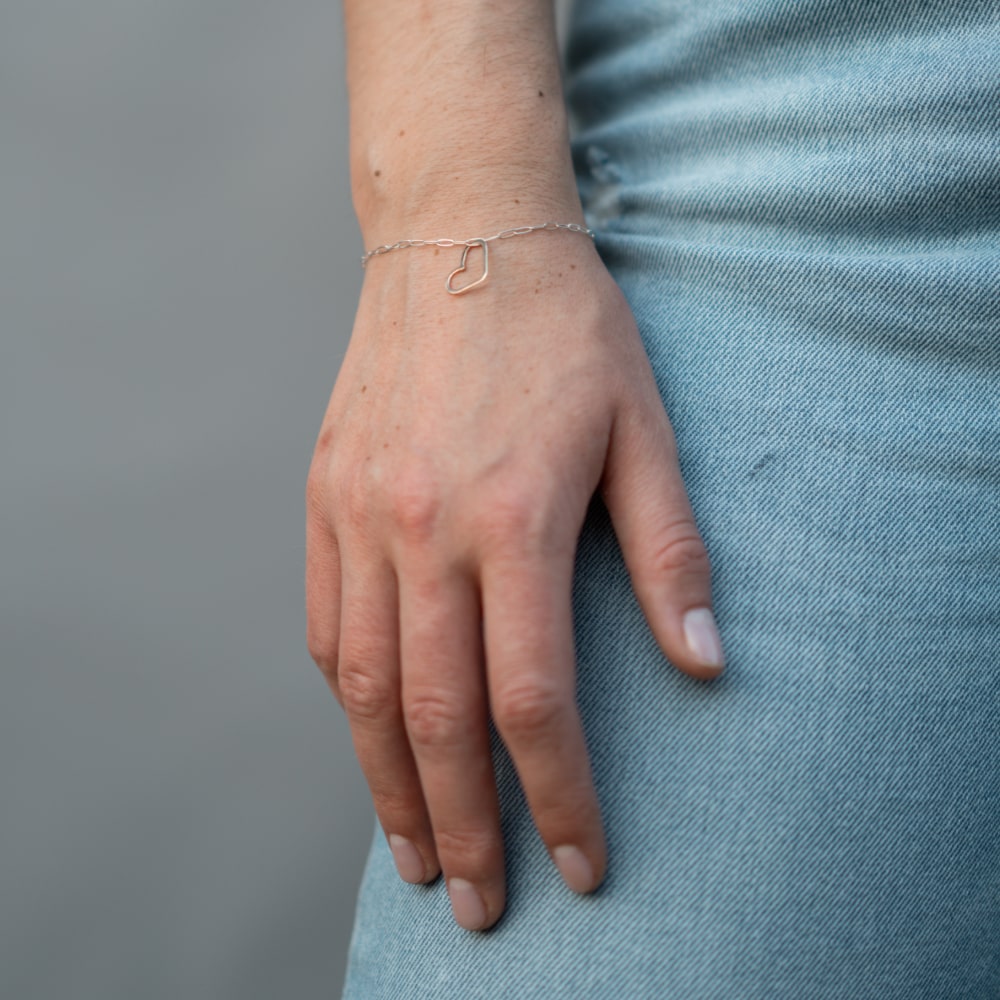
(466, 904)
(409, 864)
(702, 637)
(574, 868)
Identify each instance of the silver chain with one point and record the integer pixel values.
(476, 241)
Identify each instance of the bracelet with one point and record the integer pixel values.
(478, 241)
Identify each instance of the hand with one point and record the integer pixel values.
(463, 441)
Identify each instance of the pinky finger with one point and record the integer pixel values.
(323, 592)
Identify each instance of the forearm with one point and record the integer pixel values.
(458, 122)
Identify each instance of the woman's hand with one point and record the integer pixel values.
(462, 444)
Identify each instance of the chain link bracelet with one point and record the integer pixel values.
(478, 241)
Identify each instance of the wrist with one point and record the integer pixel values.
(469, 211)
(464, 194)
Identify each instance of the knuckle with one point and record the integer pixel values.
(415, 506)
(396, 804)
(325, 440)
(475, 848)
(322, 646)
(529, 711)
(679, 552)
(436, 720)
(365, 693)
(564, 813)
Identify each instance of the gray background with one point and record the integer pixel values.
(180, 810)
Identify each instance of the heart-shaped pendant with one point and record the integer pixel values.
(461, 267)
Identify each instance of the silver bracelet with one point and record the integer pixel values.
(478, 241)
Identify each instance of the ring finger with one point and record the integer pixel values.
(445, 708)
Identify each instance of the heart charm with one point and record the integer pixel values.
(461, 267)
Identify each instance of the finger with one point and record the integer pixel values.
(660, 542)
(444, 704)
(322, 597)
(369, 681)
(532, 683)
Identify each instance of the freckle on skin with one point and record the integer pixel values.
(378, 173)
(540, 94)
(573, 266)
(364, 388)
(402, 132)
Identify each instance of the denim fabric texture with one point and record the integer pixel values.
(801, 202)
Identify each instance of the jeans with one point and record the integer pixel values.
(801, 201)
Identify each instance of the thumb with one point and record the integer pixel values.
(655, 526)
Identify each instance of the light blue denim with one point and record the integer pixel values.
(801, 202)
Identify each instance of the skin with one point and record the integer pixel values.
(463, 441)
